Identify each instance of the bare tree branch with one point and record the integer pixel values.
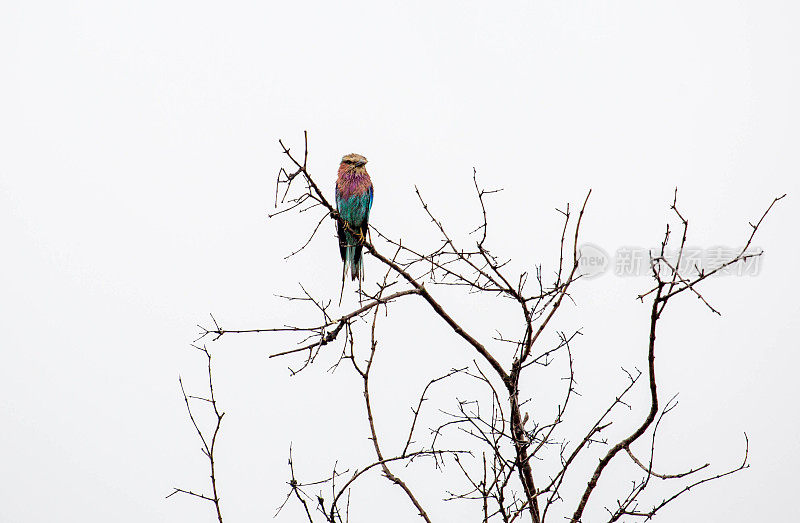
(508, 436)
(209, 443)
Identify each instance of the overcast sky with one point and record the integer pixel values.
(138, 153)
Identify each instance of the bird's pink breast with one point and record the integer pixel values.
(350, 184)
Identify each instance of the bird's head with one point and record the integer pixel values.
(353, 163)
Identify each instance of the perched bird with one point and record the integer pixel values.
(353, 201)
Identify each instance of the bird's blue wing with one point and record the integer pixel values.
(371, 194)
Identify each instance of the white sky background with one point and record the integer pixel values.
(138, 152)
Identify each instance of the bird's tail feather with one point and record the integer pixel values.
(353, 258)
(341, 293)
(357, 264)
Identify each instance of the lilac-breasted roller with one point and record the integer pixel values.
(353, 201)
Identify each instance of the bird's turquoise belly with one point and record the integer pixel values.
(354, 209)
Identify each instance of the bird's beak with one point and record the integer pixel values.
(361, 163)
